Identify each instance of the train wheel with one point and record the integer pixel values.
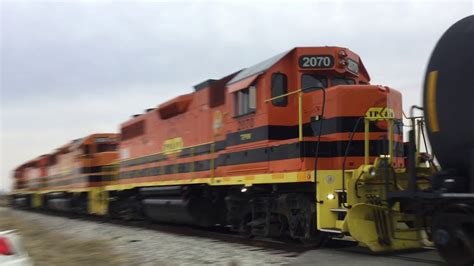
(315, 238)
(126, 209)
(453, 235)
(244, 228)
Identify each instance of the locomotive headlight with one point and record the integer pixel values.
(244, 189)
(372, 171)
(331, 196)
(342, 54)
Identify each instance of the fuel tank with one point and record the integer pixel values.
(59, 204)
(21, 202)
(168, 204)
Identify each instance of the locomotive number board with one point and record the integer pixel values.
(316, 61)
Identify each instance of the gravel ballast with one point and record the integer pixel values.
(54, 240)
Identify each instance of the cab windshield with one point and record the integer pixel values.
(312, 82)
(342, 81)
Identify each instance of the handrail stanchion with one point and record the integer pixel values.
(366, 141)
(391, 139)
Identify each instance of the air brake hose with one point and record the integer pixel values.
(430, 160)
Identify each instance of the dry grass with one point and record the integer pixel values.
(4, 200)
(48, 247)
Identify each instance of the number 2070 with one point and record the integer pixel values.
(316, 62)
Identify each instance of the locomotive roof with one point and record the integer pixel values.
(268, 63)
(239, 76)
(258, 68)
(87, 140)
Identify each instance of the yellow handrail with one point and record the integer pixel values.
(366, 141)
(391, 138)
(281, 96)
(300, 116)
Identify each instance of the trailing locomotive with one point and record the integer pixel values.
(70, 178)
(297, 146)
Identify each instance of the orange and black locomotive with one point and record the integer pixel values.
(294, 146)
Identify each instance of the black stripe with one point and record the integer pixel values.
(330, 126)
(186, 152)
(203, 149)
(144, 160)
(77, 180)
(198, 166)
(83, 170)
(282, 152)
(272, 132)
(307, 149)
(81, 179)
(198, 150)
(91, 170)
(220, 145)
(77, 171)
(347, 124)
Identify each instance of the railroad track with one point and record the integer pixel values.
(290, 248)
(269, 246)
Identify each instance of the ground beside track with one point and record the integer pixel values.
(4, 200)
(54, 240)
(360, 257)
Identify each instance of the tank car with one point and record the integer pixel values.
(448, 102)
(446, 207)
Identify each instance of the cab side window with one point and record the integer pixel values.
(245, 101)
(86, 150)
(279, 87)
(103, 147)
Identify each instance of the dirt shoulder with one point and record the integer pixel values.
(57, 240)
(53, 247)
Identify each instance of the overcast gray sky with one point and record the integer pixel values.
(72, 69)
